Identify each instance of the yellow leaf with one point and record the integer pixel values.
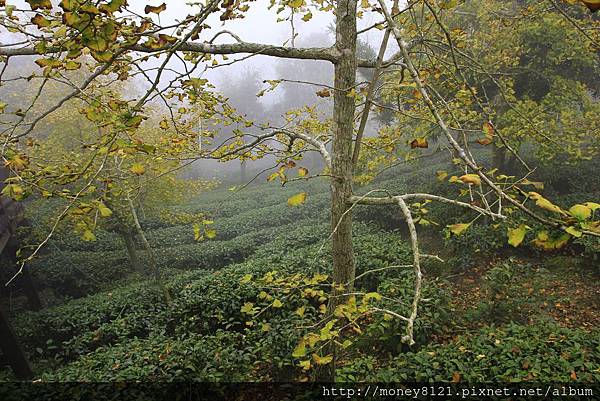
(277, 304)
(593, 6)
(305, 365)
(457, 229)
(517, 235)
(323, 93)
(302, 172)
(322, 360)
(273, 176)
(300, 349)
(88, 235)
(40, 21)
(372, 295)
(471, 179)
(155, 9)
(580, 212)
(138, 169)
(296, 3)
(300, 311)
(592, 205)
(247, 308)
(544, 203)
(60, 32)
(104, 211)
(197, 232)
(210, 233)
(297, 199)
(537, 184)
(419, 143)
(574, 232)
(246, 279)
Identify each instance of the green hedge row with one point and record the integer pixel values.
(204, 303)
(542, 352)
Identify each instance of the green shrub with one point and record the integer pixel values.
(224, 356)
(70, 330)
(504, 300)
(204, 302)
(76, 274)
(477, 241)
(398, 293)
(543, 352)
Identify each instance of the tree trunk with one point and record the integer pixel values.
(243, 167)
(33, 297)
(150, 252)
(26, 280)
(499, 158)
(128, 239)
(341, 163)
(11, 349)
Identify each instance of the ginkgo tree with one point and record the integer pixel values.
(121, 41)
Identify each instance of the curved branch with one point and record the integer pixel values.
(391, 200)
(414, 241)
